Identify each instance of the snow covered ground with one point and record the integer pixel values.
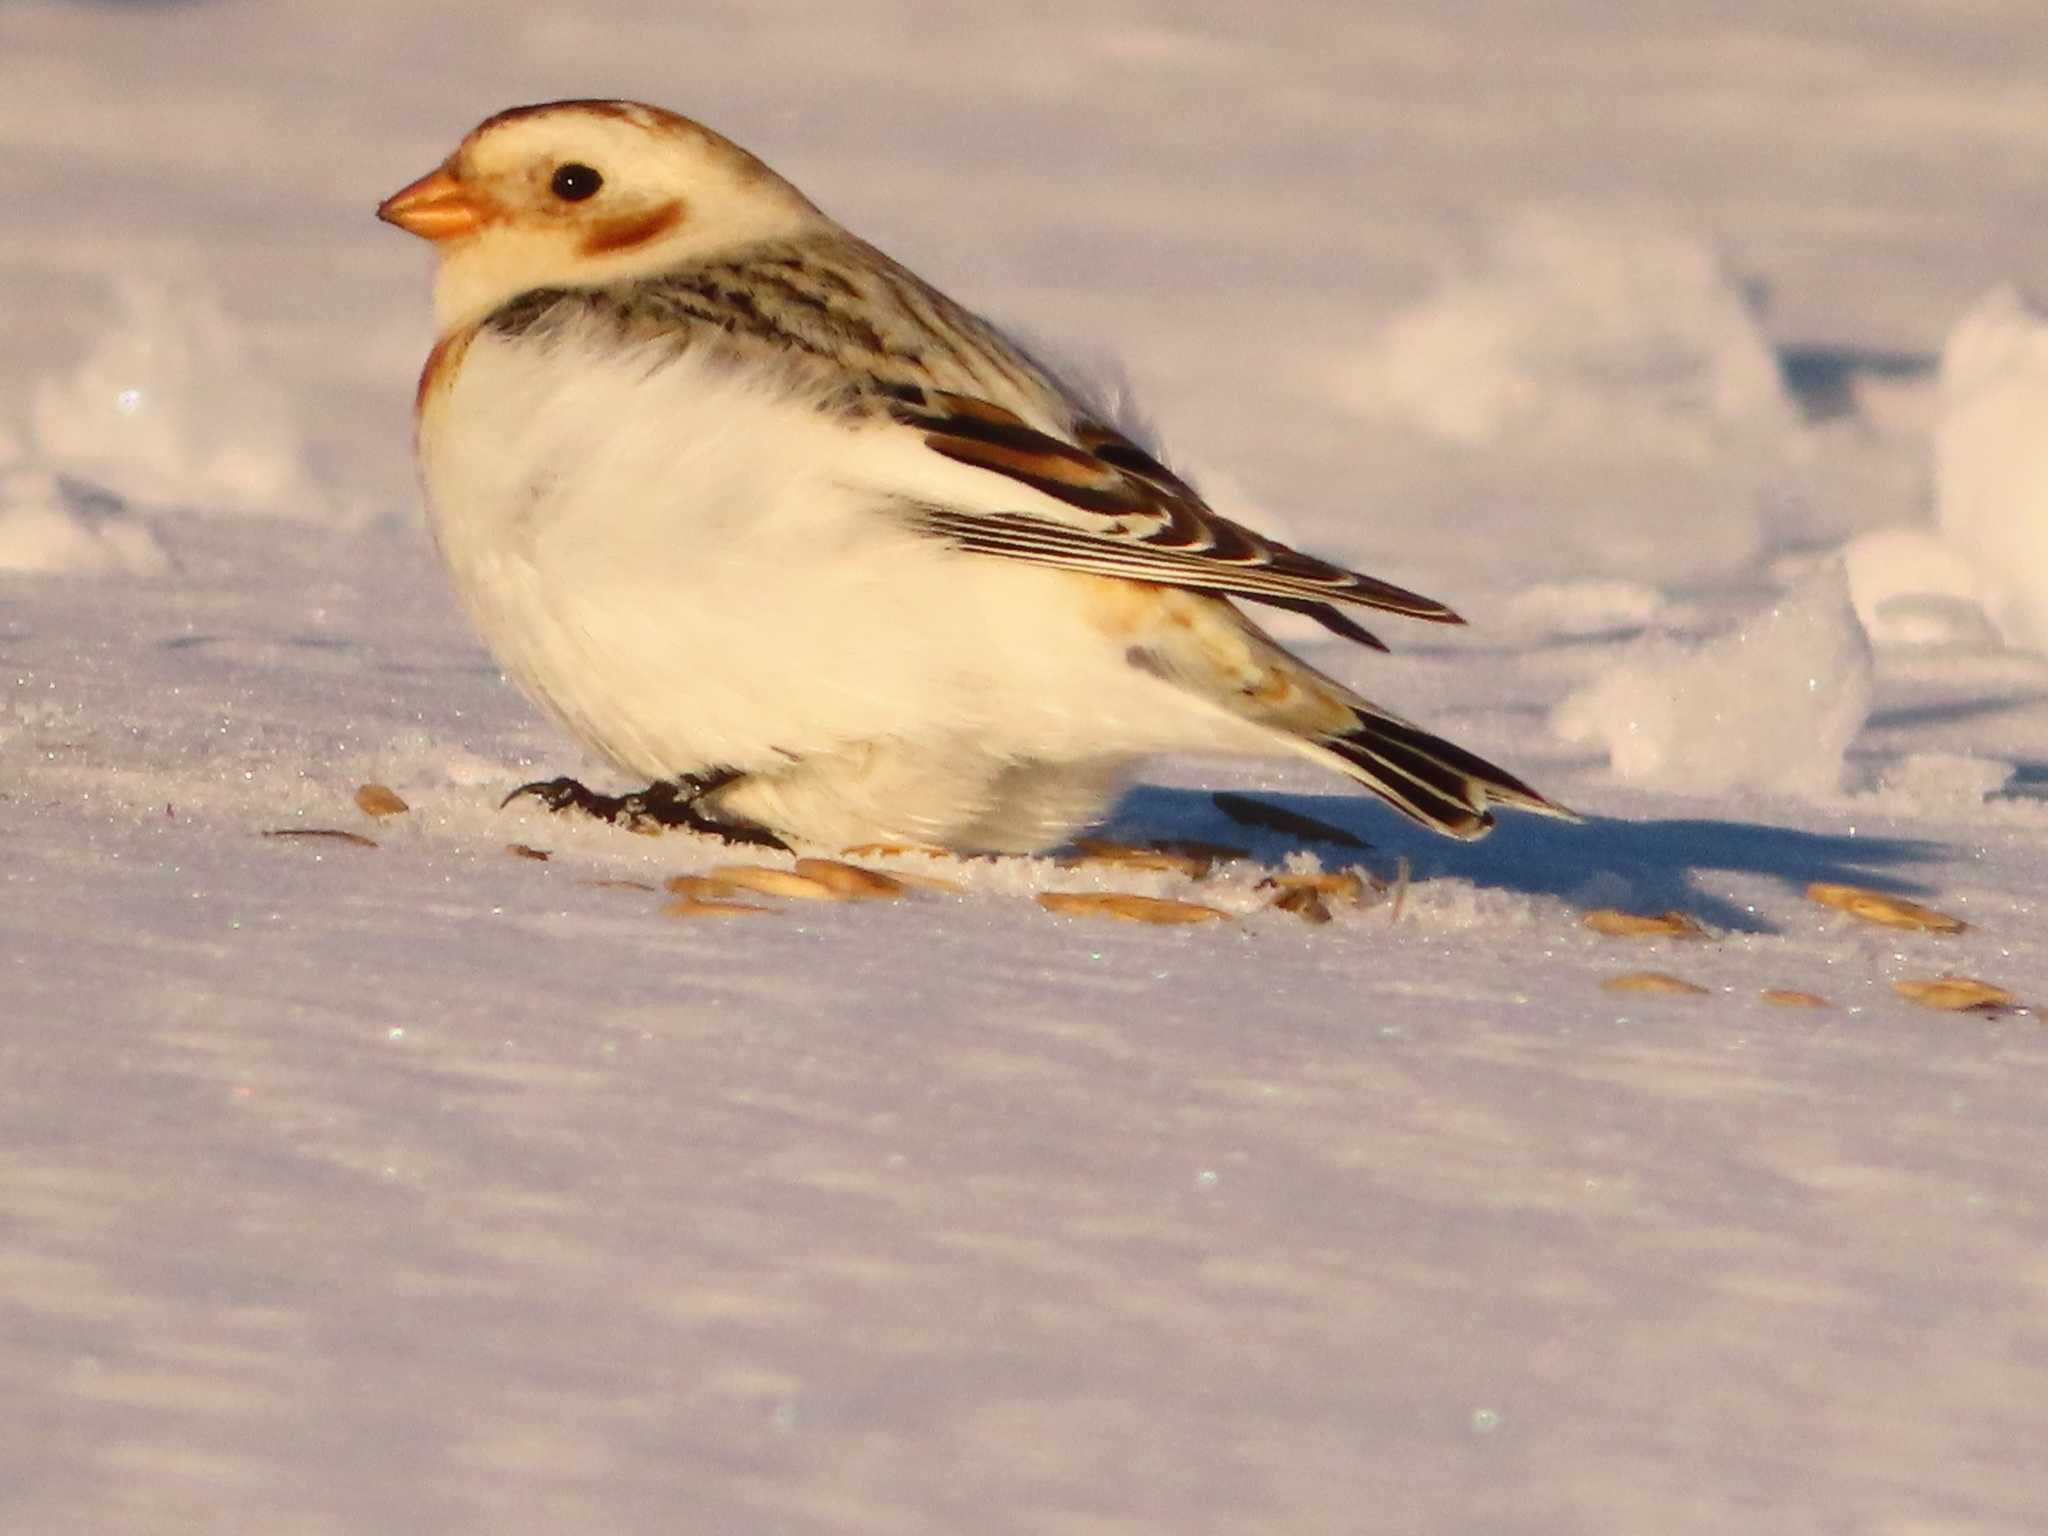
(424, 1187)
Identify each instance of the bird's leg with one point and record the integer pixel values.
(662, 804)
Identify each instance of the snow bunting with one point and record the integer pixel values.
(765, 518)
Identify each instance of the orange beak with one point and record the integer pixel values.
(437, 207)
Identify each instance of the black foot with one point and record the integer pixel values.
(669, 803)
(565, 794)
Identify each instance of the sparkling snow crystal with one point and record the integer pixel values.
(171, 409)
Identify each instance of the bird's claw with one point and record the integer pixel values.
(566, 793)
(659, 806)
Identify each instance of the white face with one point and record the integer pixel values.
(577, 194)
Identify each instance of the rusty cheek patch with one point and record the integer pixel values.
(441, 365)
(622, 234)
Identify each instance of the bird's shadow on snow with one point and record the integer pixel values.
(1646, 865)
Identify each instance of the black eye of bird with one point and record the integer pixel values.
(572, 183)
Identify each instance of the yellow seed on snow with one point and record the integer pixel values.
(927, 882)
(761, 879)
(1876, 907)
(323, 834)
(380, 800)
(850, 882)
(699, 906)
(528, 851)
(1954, 994)
(1304, 902)
(1096, 850)
(1196, 848)
(1345, 885)
(1653, 981)
(1617, 924)
(1128, 908)
(894, 850)
(1786, 997)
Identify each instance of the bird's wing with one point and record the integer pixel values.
(1120, 512)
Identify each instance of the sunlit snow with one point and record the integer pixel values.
(433, 1186)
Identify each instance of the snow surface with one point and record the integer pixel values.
(428, 1188)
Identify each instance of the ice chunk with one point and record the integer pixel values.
(1772, 705)
(1911, 587)
(1991, 458)
(50, 524)
(1577, 333)
(171, 408)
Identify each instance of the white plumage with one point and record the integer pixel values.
(751, 509)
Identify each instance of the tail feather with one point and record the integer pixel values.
(1208, 647)
(1428, 779)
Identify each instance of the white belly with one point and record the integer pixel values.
(697, 570)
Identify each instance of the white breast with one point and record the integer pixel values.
(693, 567)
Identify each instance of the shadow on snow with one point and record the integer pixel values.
(1646, 865)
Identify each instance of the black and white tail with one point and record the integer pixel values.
(1426, 778)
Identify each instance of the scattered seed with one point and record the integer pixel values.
(1653, 981)
(380, 800)
(1785, 997)
(1638, 925)
(1096, 850)
(1129, 908)
(618, 885)
(852, 883)
(928, 882)
(528, 851)
(334, 834)
(1876, 907)
(894, 850)
(1345, 885)
(1248, 812)
(1400, 892)
(762, 880)
(1304, 902)
(1955, 994)
(696, 906)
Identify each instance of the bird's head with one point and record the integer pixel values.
(573, 194)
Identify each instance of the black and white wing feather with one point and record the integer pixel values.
(1123, 513)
